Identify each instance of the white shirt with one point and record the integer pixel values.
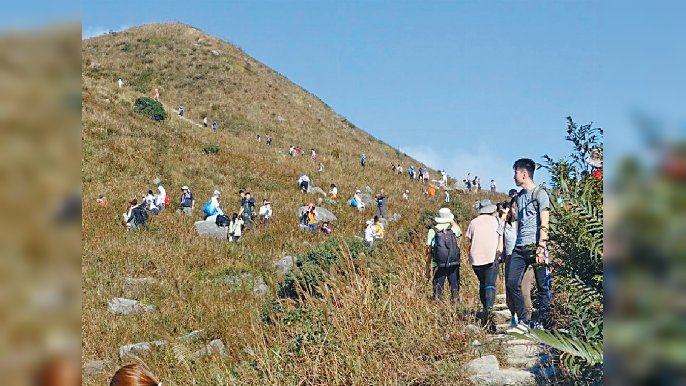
(162, 196)
(357, 198)
(204, 120)
(370, 233)
(304, 178)
(266, 211)
(334, 191)
(150, 200)
(120, 83)
(215, 204)
(405, 196)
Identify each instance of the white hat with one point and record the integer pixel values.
(444, 216)
(185, 187)
(485, 207)
(217, 193)
(357, 191)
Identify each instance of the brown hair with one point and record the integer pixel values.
(134, 375)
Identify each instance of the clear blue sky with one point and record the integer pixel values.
(465, 86)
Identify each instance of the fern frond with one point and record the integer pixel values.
(591, 352)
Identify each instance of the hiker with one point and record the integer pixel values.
(369, 233)
(512, 193)
(235, 230)
(247, 211)
(291, 150)
(406, 195)
(186, 202)
(156, 94)
(308, 220)
(468, 182)
(181, 109)
(265, 212)
(379, 229)
(477, 183)
(313, 155)
(301, 151)
(393, 167)
(102, 201)
(204, 122)
(161, 200)
(532, 204)
(120, 83)
(444, 178)
(259, 138)
(327, 228)
(485, 234)
(212, 208)
(269, 141)
(410, 172)
(356, 201)
(214, 125)
(508, 216)
(333, 192)
(426, 174)
(399, 169)
(136, 214)
(150, 202)
(304, 183)
(443, 255)
(363, 160)
(134, 375)
(421, 174)
(447, 195)
(492, 186)
(381, 203)
(321, 167)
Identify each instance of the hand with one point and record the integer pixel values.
(540, 255)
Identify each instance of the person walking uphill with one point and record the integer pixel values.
(486, 244)
(381, 203)
(363, 160)
(532, 204)
(443, 255)
(186, 202)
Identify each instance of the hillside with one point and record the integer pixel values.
(124, 151)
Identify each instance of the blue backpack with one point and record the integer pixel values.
(207, 208)
(353, 202)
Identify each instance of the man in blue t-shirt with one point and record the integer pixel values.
(533, 216)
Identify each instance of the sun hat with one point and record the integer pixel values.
(358, 191)
(444, 216)
(486, 207)
(185, 187)
(217, 193)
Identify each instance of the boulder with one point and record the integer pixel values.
(285, 264)
(500, 298)
(330, 201)
(139, 349)
(522, 355)
(483, 365)
(256, 283)
(471, 329)
(395, 217)
(210, 229)
(123, 306)
(214, 347)
(502, 316)
(502, 377)
(91, 368)
(323, 214)
(215, 52)
(367, 199)
(192, 335)
(316, 190)
(367, 189)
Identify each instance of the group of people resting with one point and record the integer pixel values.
(137, 211)
(243, 220)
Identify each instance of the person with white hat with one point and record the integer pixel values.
(443, 255)
(358, 200)
(211, 209)
(186, 202)
(485, 234)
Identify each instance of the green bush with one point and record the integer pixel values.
(211, 149)
(151, 108)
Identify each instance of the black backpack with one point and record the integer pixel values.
(445, 251)
(140, 215)
(222, 220)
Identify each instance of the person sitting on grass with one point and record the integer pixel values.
(333, 192)
(327, 228)
(265, 212)
(235, 230)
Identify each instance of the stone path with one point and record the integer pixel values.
(528, 363)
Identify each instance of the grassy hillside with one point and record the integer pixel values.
(375, 325)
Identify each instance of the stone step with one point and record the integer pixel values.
(500, 307)
(504, 377)
(501, 328)
(500, 298)
(502, 316)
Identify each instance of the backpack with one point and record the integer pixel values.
(140, 215)
(534, 197)
(353, 202)
(222, 220)
(207, 208)
(303, 218)
(445, 251)
(166, 200)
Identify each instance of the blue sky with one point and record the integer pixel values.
(462, 86)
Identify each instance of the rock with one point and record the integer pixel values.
(500, 307)
(210, 229)
(285, 264)
(320, 200)
(214, 347)
(471, 329)
(500, 298)
(323, 214)
(522, 355)
(502, 327)
(367, 199)
(483, 365)
(395, 217)
(280, 118)
(215, 52)
(123, 306)
(156, 181)
(316, 190)
(505, 377)
(330, 201)
(91, 368)
(476, 343)
(260, 289)
(139, 349)
(516, 342)
(367, 189)
(502, 316)
(192, 335)
(256, 283)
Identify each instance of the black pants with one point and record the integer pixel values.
(453, 276)
(521, 259)
(487, 275)
(304, 185)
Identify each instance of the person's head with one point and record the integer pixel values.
(234, 216)
(445, 216)
(247, 195)
(134, 202)
(407, 191)
(357, 191)
(492, 180)
(523, 170)
(185, 189)
(134, 375)
(383, 191)
(150, 191)
(333, 185)
(512, 193)
(265, 202)
(486, 207)
(376, 219)
(242, 193)
(217, 194)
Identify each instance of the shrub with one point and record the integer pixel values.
(211, 149)
(151, 108)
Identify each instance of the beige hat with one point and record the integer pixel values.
(444, 216)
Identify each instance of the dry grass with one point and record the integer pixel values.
(358, 332)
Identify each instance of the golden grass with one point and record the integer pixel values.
(359, 332)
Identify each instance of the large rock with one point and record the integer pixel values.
(483, 365)
(139, 349)
(395, 217)
(285, 264)
(323, 214)
(123, 306)
(330, 201)
(214, 347)
(502, 377)
(522, 355)
(255, 283)
(367, 199)
(472, 329)
(502, 316)
(210, 229)
(316, 190)
(368, 189)
(500, 298)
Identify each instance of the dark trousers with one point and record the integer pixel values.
(453, 276)
(487, 275)
(521, 259)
